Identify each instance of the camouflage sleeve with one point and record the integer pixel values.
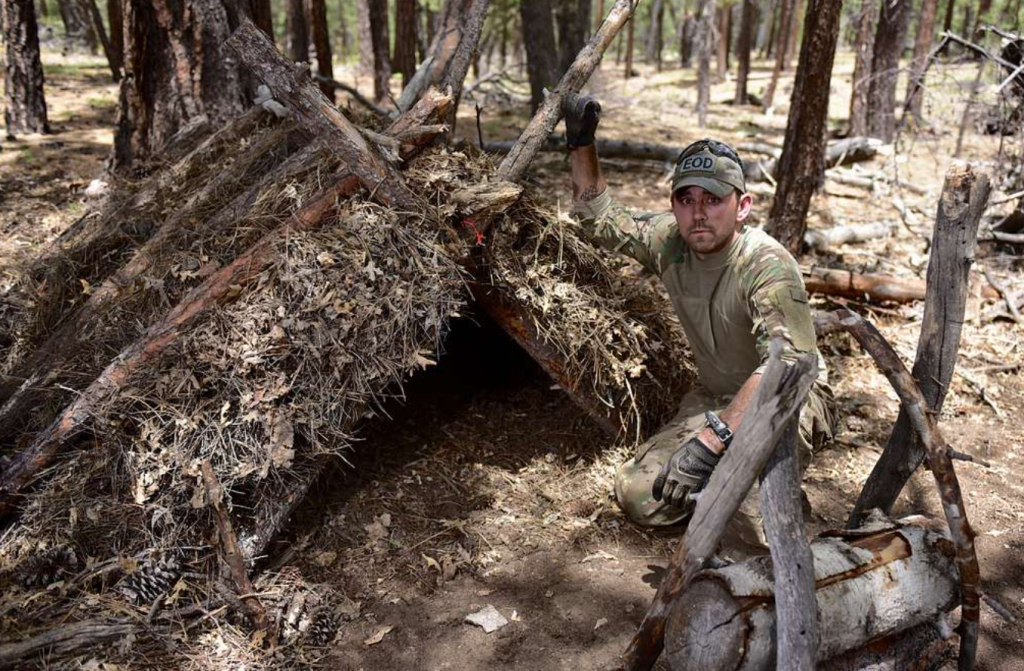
(778, 304)
(646, 237)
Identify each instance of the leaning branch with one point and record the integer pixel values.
(914, 405)
(781, 392)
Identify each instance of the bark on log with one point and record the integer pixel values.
(65, 640)
(514, 167)
(961, 205)
(442, 48)
(293, 86)
(792, 562)
(841, 152)
(867, 587)
(919, 649)
(834, 282)
(937, 451)
(778, 397)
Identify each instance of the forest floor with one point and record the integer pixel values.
(487, 486)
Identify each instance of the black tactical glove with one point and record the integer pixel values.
(685, 472)
(582, 114)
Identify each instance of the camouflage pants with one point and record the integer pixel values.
(745, 535)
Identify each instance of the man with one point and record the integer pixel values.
(734, 288)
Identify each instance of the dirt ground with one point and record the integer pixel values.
(486, 486)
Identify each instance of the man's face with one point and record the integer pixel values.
(706, 222)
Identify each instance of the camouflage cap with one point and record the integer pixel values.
(714, 171)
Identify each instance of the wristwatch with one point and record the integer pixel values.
(720, 428)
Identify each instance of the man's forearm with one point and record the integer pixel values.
(733, 414)
(587, 181)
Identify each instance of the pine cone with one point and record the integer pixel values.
(46, 568)
(323, 627)
(154, 577)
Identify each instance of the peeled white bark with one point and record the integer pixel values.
(869, 586)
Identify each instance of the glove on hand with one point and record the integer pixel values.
(686, 471)
(582, 114)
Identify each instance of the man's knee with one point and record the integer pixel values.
(633, 484)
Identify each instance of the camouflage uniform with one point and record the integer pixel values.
(730, 305)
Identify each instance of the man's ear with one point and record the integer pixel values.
(745, 205)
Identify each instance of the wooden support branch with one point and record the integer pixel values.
(779, 396)
(463, 56)
(232, 555)
(296, 90)
(515, 165)
(796, 606)
(916, 408)
(961, 205)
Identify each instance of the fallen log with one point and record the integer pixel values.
(922, 648)
(868, 286)
(961, 205)
(838, 153)
(867, 586)
(914, 406)
(781, 392)
(66, 640)
(841, 235)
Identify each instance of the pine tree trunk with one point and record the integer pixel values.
(630, 35)
(796, 16)
(78, 23)
(705, 43)
(262, 16)
(743, 51)
(381, 43)
(947, 24)
(764, 25)
(922, 49)
(405, 39)
(114, 18)
(176, 73)
(365, 37)
(652, 43)
(801, 168)
(296, 31)
(44, 11)
(316, 16)
(343, 35)
(773, 28)
(25, 103)
(979, 19)
(113, 61)
(573, 22)
(541, 53)
(686, 42)
(722, 45)
(781, 41)
(892, 31)
(864, 48)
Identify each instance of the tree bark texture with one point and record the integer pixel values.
(894, 19)
(922, 50)
(963, 200)
(78, 25)
(864, 48)
(802, 164)
(947, 23)
(406, 36)
(541, 50)
(705, 39)
(796, 609)
(24, 100)
(630, 47)
(296, 31)
(866, 587)
(380, 40)
(115, 17)
(365, 37)
(316, 15)
(176, 72)
(780, 394)
(262, 16)
(722, 46)
(573, 19)
(743, 49)
(796, 16)
(113, 61)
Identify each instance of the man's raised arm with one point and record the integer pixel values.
(582, 114)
